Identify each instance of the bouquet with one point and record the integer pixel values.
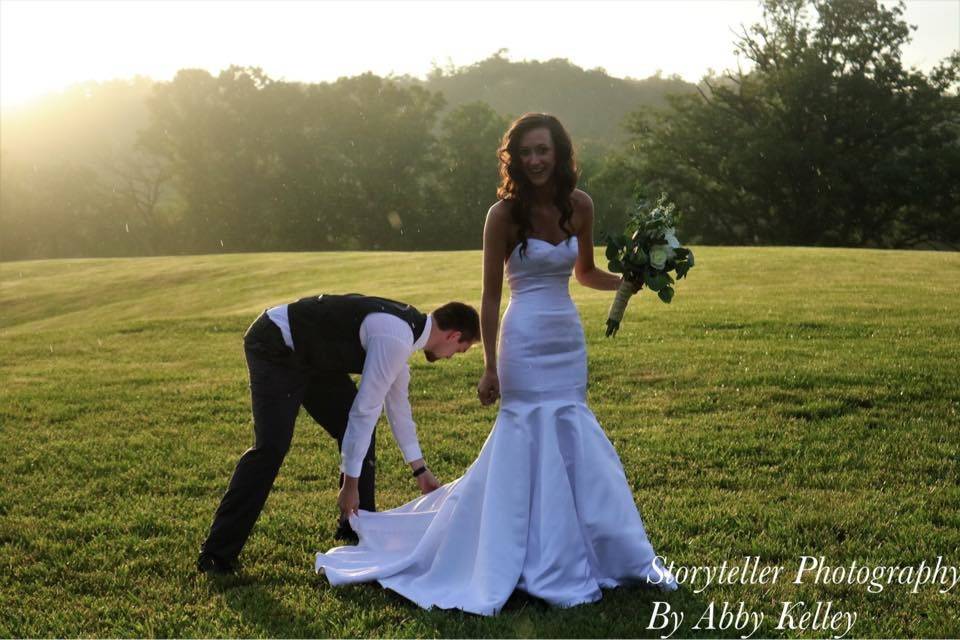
(646, 256)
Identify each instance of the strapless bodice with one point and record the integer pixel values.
(542, 274)
(541, 341)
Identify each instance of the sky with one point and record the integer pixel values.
(47, 45)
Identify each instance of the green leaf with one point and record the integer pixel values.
(612, 250)
(615, 266)
(666, 294)
(637, 261)
(655, 281)
(682, 267)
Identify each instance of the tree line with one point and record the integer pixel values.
(240, 162)
(826, 140)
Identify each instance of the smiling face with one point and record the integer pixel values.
(537, 156)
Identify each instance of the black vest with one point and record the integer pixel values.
(326, 328)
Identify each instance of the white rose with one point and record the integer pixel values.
(659, 255)
(671, 238)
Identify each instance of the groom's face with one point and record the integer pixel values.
(448, 347)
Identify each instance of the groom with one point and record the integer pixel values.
(301, 354)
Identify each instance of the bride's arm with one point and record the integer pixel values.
(494, 254)
(585, 270)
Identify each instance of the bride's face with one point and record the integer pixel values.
(537, 156)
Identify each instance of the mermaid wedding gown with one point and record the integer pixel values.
(545, 507)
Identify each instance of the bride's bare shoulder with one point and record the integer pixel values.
(499, 216)
(500, 210)
(582, 210)
(581, 200)
(500, 227)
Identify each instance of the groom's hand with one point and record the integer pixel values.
(349, 498)
(427, 482)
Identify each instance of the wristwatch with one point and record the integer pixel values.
(420, 471)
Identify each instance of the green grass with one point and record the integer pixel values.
(789, 402)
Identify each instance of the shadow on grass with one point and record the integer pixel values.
(257, 604)
(623, 612)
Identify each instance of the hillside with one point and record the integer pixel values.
(591, 103)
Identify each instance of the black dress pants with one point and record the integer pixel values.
(279, 386)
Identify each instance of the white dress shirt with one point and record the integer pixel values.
(388, 342)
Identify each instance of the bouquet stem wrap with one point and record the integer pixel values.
(619, 306)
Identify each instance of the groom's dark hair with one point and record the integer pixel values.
(459, 317)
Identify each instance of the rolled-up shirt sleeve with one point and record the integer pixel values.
(401, 417)
(386, 359)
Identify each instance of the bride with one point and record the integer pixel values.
(545, 507)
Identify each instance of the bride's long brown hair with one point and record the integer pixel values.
(516, 187)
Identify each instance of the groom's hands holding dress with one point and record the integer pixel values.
(424, 477)
(427, 482)
(349, 498)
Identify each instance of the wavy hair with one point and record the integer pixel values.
(517, 188)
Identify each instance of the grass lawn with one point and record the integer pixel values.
(789, 402)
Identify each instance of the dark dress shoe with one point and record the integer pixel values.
(213, 565)
(346, 533)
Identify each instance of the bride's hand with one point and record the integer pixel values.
(488, 390)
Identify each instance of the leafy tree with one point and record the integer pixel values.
(237, 161)
(266, 165)
(380, 138)
(827, 140)
(208, 132)
(59, 189)
(466, 183)
(57, 211)
(140, 188)
(609, 175)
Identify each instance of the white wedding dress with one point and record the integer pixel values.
(546, 507)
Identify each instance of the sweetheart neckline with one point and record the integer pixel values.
(547, 242)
